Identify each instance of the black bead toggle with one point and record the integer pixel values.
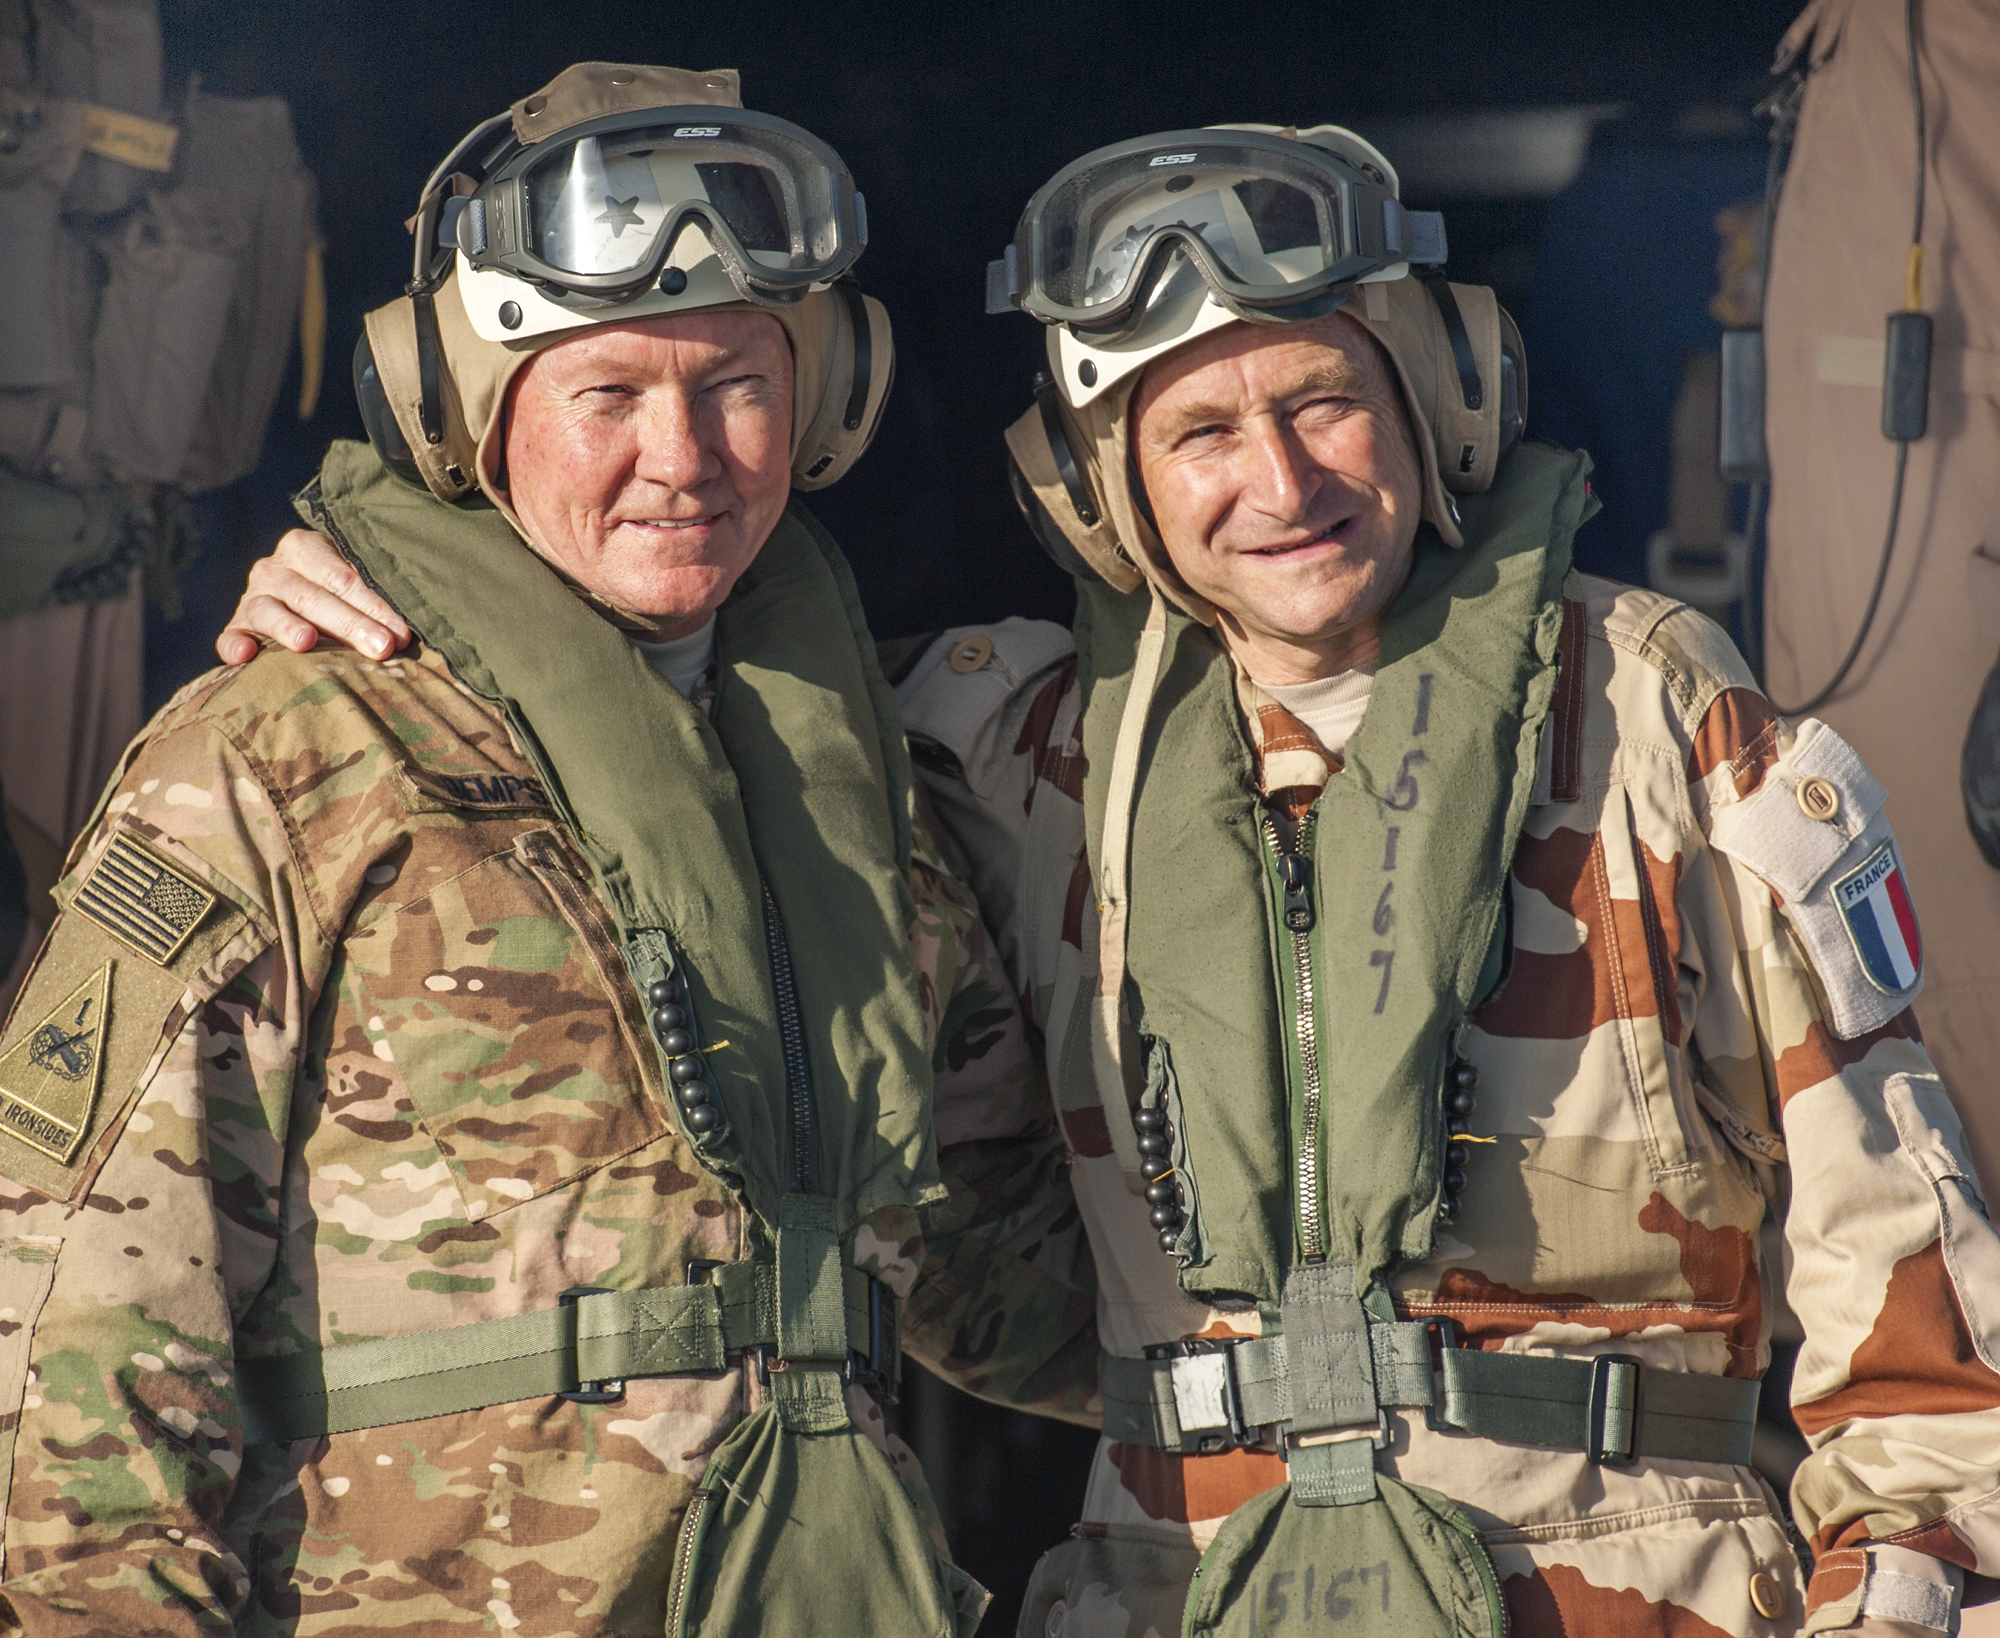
(1163, 1195)
(664, 993)
(1461, 1082)
(685, 1069)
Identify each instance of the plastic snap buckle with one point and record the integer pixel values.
(609, 1391)
(1616, 1409)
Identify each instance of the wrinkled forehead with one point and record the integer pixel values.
(1243, 363)
(665, 346)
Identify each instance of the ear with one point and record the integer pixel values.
(843, 423)
(1044, 445)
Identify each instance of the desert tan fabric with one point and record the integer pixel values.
(1842, 237)
(1658, 1075)
(71, 695)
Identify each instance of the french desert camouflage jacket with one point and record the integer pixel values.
(1685, 1052)
(333, 1041)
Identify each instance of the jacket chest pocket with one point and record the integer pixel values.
(503, 1002)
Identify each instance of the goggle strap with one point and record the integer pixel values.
(1003, 281)
(430, 409)
(1469, 385)
(1066, 468)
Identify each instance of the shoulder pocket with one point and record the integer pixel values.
(502, 999)
(1815, 833)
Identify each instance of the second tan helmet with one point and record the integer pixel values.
(621, 191)
(1191, 231)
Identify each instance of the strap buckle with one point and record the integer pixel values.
(1445, 1329)
(1616, 1409)
(590, 1393)
(1207, 1404)
(874, 1370)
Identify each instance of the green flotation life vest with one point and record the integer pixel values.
(1412, 844)
(799, 783)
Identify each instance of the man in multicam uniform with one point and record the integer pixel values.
(1691, 1043)
(335, 1039)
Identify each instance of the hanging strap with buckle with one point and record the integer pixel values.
(584, 1349)
(1214, 1394)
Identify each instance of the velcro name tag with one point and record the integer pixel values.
(426, 790)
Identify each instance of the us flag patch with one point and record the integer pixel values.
(142, 901)
(1874, 902)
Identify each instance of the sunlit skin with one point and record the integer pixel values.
(649, 460)
(1279, 464)
(1285, 480)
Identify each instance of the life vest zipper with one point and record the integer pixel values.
(1298, 914)
(683, 1573)
(792, 1039)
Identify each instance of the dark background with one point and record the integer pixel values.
(949, 117)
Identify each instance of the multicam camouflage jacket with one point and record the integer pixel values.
(333, 1041)
(1689, 1048)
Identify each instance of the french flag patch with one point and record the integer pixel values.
(1874, 901)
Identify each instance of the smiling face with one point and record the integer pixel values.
(651, 460)
(1285, 481)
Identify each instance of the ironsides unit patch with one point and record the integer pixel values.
(142, 901)
(50, 1076)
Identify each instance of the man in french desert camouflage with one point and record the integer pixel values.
(1562, 960)
(463, 1138)
(1444, 964)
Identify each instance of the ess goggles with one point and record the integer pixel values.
(592, 215)
(1277, 228)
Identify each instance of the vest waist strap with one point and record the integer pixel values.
(1209, 1395)
(583, 1348)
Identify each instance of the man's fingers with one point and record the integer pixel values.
(311, 555)
(280, 599)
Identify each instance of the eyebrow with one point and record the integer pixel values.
(1347, 379)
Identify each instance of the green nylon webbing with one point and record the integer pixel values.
(604, 1336)
(1519, 1398)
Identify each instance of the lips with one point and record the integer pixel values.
(1333, 534)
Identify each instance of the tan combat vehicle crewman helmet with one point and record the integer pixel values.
(620, 191)
(1145, 246)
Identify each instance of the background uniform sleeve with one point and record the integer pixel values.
(1894, 1266)
(1005, 1302)
(122, 1296)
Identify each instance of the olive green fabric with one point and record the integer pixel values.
(1409, 1566)
(604, 1336)
(1441, 770)
(799, 774)
(795, 1533)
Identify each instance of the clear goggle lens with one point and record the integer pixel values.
(599, 205)
(1263, 223)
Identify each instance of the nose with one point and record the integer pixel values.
(1281, 476)
(676, 448)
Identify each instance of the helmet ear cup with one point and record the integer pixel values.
(1052, 482)
(380, 419)
(445, 467)
(1467, 408)
(1513, 383)
(857, 388)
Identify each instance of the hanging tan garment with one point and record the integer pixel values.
(72, 684)
(1838, 265)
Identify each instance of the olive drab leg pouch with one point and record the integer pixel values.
(1341, 1542)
